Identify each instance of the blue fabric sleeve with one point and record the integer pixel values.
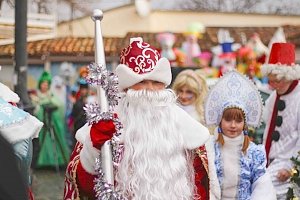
(259, 162)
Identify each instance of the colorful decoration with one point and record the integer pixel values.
(190, 47)
(247, 63)
(167, 41)
(204, 63)
(227, 58)
(224, 53)
(261, 51)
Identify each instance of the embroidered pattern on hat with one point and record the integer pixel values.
(140, 57)
(234, 90)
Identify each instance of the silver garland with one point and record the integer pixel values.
(99, 75)
(94, 114)
(108, 81)
(117, 148)
(104, 190)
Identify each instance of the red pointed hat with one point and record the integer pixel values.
(282, 62)
(140, 61)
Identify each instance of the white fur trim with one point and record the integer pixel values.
(8, 95)
(214, 186)
(193, 132)
(25, 129)
(82, 133)
(161, 73)
(263, 189)
(289, 72)
(136, 39)
(88, 155)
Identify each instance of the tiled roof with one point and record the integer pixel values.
(71, 46)
(74, 46)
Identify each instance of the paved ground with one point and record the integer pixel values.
(48, 184)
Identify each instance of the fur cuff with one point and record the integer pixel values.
(263, 189)
(82, 133)
(16, 132)
(215, 191)
(88, 155)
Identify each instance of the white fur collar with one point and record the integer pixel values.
(215, 190)
(82, 133)
(193, 132)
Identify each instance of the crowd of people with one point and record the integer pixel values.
(216, 161)
(179, 139)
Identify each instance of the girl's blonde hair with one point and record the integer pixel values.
(235, 114)
(197, 84)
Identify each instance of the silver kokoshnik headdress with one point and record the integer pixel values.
(234, 90)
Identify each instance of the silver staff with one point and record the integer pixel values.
(106, 150)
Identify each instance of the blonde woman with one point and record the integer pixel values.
(191, 89)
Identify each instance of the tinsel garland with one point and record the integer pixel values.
(99, 75)
(108, 81)
(104, 190)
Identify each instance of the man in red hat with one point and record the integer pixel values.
(157, 135)
(282, 114)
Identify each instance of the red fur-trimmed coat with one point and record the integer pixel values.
(79, 184)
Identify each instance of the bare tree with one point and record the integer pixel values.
(288, 7)
(245, 5)
(221, 5)
(43, 6)
(9, 2)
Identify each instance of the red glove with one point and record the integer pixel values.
(101, 132)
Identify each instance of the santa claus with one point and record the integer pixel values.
(158, 136)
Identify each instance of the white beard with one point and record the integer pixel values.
(155, 164)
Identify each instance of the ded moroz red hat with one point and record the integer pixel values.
(140, 61)
(282, 62)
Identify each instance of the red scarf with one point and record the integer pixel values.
(273, 119)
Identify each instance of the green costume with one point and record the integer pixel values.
(53, 146)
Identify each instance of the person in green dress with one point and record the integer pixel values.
(53, 148)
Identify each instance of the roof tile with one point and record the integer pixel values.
(73, 46)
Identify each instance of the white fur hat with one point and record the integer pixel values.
(140, 61)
